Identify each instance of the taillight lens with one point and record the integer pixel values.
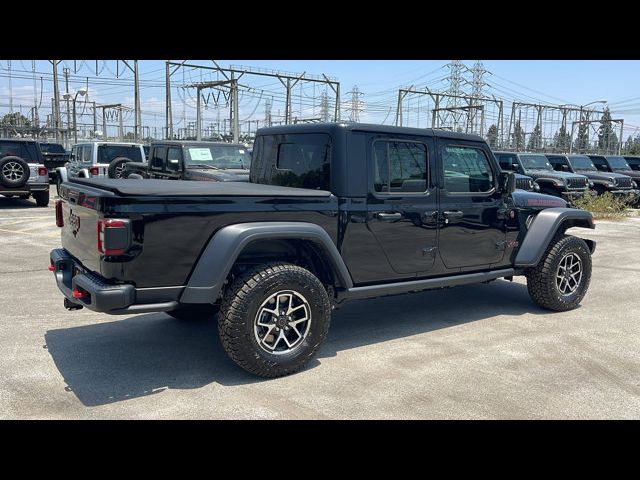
(59, 219)
(42, 171)
(95, 171)
(113, 236)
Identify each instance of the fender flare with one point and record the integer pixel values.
(544, 228)
(218, 257)
(62, 174)
(84, 173)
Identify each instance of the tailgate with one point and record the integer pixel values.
(80, 213)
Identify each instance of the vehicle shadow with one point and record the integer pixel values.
(15, 202)
(112, 361)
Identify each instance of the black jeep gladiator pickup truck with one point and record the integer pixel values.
(332, 212)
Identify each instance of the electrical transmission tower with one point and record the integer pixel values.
(325, 115)
(267, 112)
(453, 110)
(477, 85)
(355, 105)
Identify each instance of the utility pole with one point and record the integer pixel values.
(234, 99)
(138, 124)
(95, 119)
(267, 112)
(56, 100)
(65, 71)
(169, 116)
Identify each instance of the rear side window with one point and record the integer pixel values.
(400, 167)
(466, 170)
(157, 160)
(294, 160)
(106, 153)
(14, 149)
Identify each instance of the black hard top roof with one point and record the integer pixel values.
(18, 140)
(332, 128)
(196, 143)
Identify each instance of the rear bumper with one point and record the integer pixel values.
(26, 188)
(101, 295)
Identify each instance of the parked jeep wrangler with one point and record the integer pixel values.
(332, 212)
(615, 183)
(633, 162)
(190, 160)
(97, 159)
(617, 164)
(535, 165)
(55, 156)
(22, 171)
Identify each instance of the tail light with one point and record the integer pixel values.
(113, 236)
(59, 219)
(42, 171)
(95, 171)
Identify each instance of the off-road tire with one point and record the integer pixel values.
(41, 198)
(240, 305)
(194, 312)
(541, 280)
(115, 167)
(8, 165)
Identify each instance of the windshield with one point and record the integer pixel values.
(582, 162)
(106, 153)
(618, 163)
(52, 148)
(535, 162)
(218, 156)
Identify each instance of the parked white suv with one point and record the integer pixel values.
(99, 159)
(22, 171)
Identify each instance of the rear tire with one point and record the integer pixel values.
(194, 312)
(14, 171)
(273, 319)
(41, 198)
(561, 279)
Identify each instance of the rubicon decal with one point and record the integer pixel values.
(543, 202)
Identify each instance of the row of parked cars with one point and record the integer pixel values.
(570, 176)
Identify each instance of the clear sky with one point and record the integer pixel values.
(549, 82)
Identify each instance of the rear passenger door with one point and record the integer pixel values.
(472, 234)
(402, 203)
(157, 158)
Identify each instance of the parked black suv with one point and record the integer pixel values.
(617, 164)
(333, 212)
(536, 166)
(22, 171)
(54, 156)
(189, 160)
(619, 185)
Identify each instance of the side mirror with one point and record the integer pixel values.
(507, 182)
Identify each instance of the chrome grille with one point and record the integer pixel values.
(622, 182)
(577, 183)
(524, 184)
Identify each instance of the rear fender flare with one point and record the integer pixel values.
(544, 227)
(62, 174)
(220, 254)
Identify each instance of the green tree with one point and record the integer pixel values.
(581, 142)
(492, 135)
(535, 140)
(129, 136)
(562, 139)
(607, 138)
(517, 137)
(15, 119)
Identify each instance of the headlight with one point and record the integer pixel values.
(536, 187)
(611, 184)
(591, 184)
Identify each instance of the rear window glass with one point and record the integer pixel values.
(294, 160)
(52, 148)
(106, 153)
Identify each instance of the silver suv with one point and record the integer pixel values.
(99, 159)
(22, 170)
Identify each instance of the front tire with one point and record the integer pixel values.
(273, 319)
(41, 198)
(561, 279)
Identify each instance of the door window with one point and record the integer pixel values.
(400, 167)
(159, 153)
(173, 159)
(466, 170)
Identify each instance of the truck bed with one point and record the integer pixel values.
(164, 188)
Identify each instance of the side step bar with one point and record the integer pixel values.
(419, 285)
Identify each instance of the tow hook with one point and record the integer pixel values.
(71, 306)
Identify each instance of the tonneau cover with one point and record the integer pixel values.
(161, 188)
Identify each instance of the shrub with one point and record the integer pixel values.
(603, 206)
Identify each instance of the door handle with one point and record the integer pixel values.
(389, 217)
(452, 214)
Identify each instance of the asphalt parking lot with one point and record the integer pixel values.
(482, 351)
